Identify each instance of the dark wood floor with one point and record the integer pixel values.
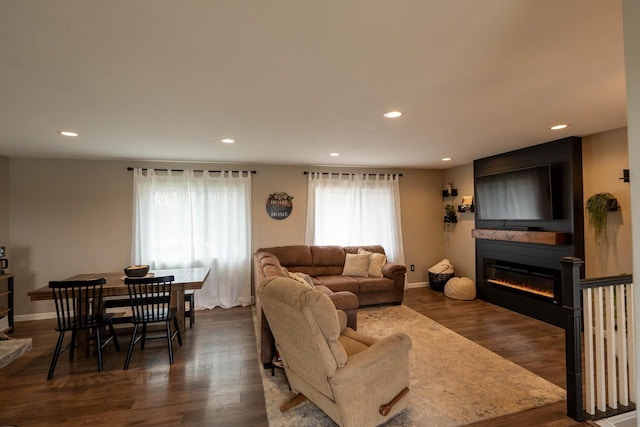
(215, 379)
(532, 344)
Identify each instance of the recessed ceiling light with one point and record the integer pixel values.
(67, 133)
(559, 126)
(228, 140)
(446, 159)
(392, 114)
(334, 154)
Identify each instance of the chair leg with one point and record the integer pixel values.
(293, 402)
(56, 353)
(99, 348)
(131, 344)
(177, 326)
(387, 407)
(114, 336)
(72, 346)
(144, 335)
(168, 327)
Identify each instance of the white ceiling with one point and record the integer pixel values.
(292, 80)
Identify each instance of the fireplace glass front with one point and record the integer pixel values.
(536, 281)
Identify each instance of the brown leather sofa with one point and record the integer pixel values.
(325, 265)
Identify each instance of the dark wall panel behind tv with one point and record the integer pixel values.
(564, 158)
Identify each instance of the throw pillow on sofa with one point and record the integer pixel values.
(300, 277)
(305, 277)
(356, 265)
(376, 262)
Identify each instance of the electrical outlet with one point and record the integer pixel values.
(413, 267)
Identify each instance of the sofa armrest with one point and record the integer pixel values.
(391, 269)
(348, 303)
(345, 300)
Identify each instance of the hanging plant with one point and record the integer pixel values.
(597, 208)
(450, 214)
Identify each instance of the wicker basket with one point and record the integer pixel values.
(437, 281)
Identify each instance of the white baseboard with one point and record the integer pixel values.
(35, 316)
(627, 419)
(417, 285)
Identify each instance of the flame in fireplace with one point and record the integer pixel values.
(542, 292)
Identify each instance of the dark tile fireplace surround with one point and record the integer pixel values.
(517, 262)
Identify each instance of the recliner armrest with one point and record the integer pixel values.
(393, 347)
(342, 319)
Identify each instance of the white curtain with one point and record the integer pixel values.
(355, 209)
(196, 219)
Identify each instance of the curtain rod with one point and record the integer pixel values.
(351, 173)
(182, 170)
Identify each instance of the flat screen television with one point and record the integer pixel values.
(522, 194)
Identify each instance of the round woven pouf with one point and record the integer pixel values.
(461, 288)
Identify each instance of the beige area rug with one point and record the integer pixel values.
(454, 381)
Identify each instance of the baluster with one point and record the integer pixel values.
(612, 389)
(631, 343)
(590, 392)
(621, 344)
(600, 350)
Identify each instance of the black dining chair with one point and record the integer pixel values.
(79, 307)
(150, 298)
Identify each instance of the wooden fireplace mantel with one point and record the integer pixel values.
(523, 236)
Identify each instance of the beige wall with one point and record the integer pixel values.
(631, 15)
(270, 232)
(419, 194)
(460, 248)
(4, 201)
(421, 200)
(71, 216)
(67, 217)
(604, 156)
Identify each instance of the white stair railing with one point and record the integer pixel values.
(609, 349)
(599, 343)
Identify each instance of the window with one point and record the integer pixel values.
(196, 219)
(351, 209)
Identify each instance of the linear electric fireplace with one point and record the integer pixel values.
(534, 281)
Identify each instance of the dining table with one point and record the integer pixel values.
(184, 279)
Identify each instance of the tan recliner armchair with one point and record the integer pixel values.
(355, 379)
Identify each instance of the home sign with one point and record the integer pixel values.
(279, 205)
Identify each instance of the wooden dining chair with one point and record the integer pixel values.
(79, 307)
(150, 303)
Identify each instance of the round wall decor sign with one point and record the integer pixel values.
(279, 205)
